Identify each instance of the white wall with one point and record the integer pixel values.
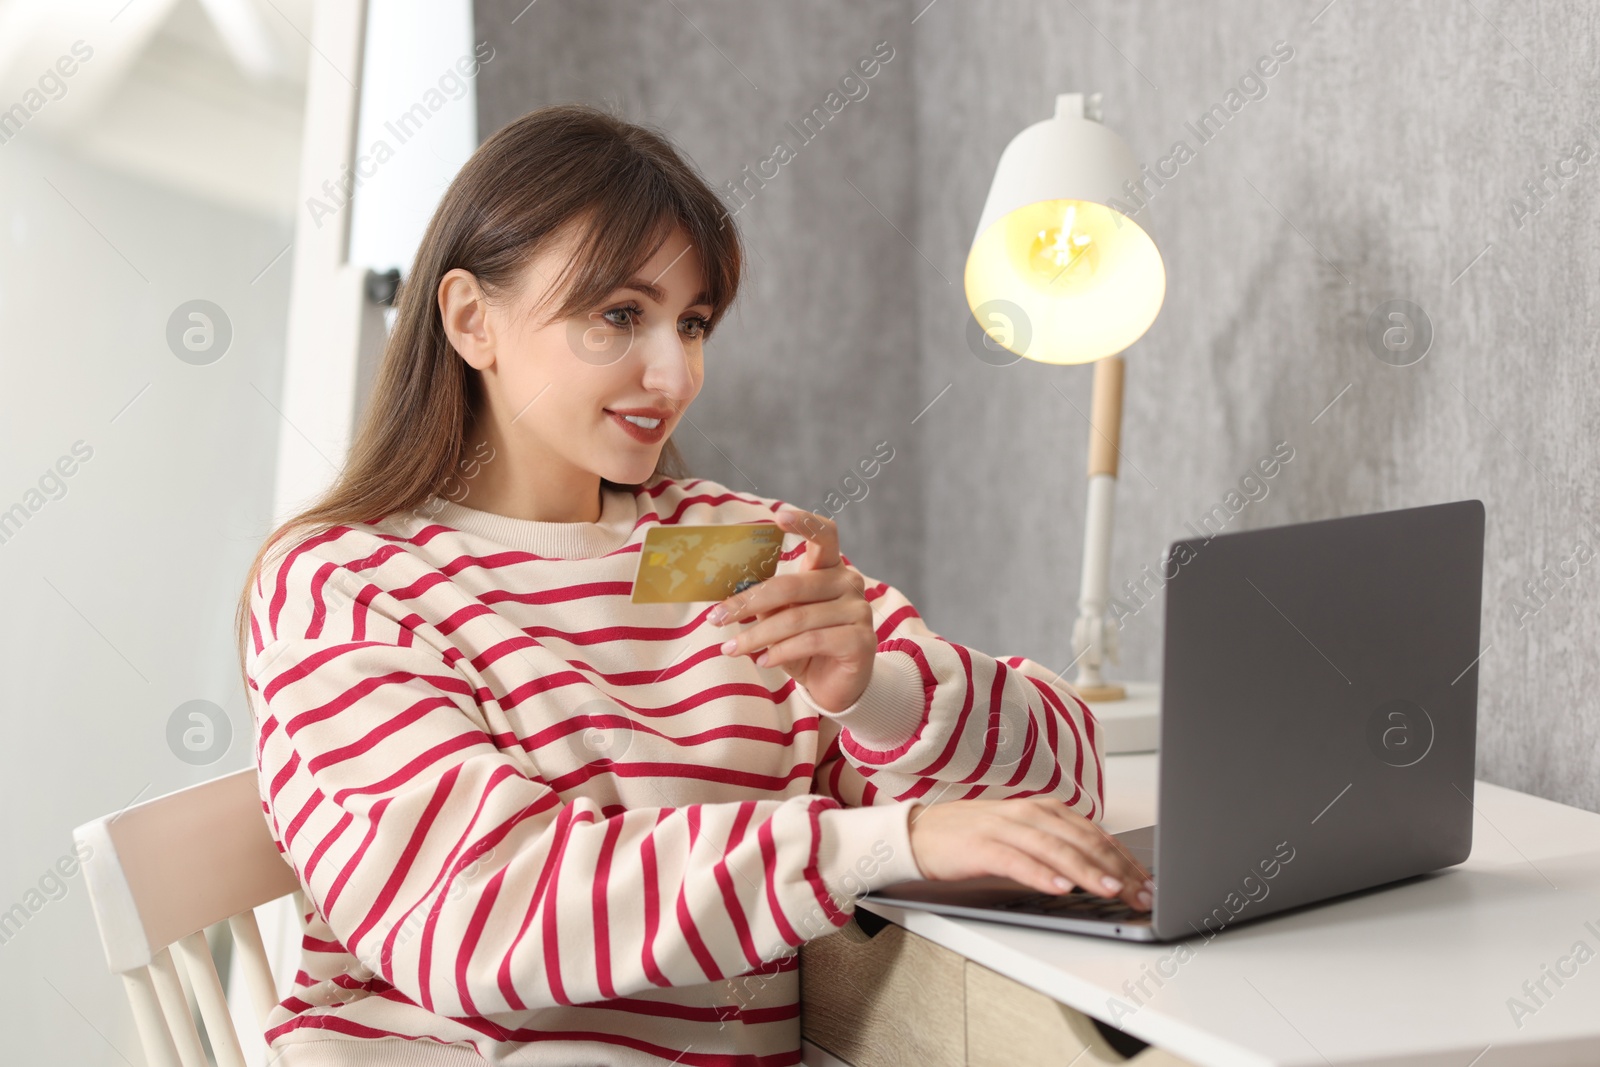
(118, 594)
(419, 115)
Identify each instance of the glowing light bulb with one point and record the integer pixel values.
(1064, 254)
(1081, 279)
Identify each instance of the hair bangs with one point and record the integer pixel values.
(620, 237)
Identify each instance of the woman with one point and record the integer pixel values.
(527, 811)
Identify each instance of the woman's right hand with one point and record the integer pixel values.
(1032, 840)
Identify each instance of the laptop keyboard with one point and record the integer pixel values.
(1077, 904)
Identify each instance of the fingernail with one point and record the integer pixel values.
(1062, 883)
(728, 646)
(1111, 883)
(717, 614)
(1149, 886)
(1144, 898)
(761, 661)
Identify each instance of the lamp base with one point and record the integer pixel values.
(1132, 724)
(1101, 692)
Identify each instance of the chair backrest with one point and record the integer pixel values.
(159, 875)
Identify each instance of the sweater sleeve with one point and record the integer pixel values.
(939, 721)
(446, 865)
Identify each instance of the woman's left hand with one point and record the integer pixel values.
(814, 623)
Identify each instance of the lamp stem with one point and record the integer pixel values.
(1092, 642)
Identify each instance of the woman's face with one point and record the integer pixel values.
(558, 391)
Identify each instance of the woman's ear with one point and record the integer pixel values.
(465, 313)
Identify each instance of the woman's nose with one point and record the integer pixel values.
(667, 368)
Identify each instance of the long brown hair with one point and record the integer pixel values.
(625, 184)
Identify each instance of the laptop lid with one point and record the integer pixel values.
(1319, 711)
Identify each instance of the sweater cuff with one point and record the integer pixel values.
(863, 849)
(891, 708)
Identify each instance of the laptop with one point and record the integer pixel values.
(1319, 699)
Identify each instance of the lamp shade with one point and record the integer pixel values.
(1066, 277)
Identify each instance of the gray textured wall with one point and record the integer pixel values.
(1380, 162)
(817, 363)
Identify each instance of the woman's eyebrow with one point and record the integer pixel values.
(654, 292)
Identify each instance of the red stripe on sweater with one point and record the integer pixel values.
(835, 916)
(359, 612)
(689, 501)
(319, 608)
(565, 594)
(969, 701)
(1031, 747)
(290, 832)
(1089, 724)
(418, 764)
(730, 892)
(459, 858)
(1053, 699)
(710, 653)
(680, 906)
(598, 892)
(280, 594)
(491, 891)
(652, 905)
(283, 777)
(864, 754)
(576, 724)
(336, 1025)
(269, 726)
(769, 864)
(887, 628)
(1052, 746)
(402, 867)
(720, 775)
(557, 832)
(996, 720)
(345, 819)
(558, 679)
(573, 781)
(381, 732)
(354, 863)
(551, 932)
(445, 683)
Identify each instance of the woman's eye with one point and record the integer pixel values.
(698, 326)
(627, 312)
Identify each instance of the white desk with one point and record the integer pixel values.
(1418, 974)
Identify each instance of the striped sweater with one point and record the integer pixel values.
(527, 811)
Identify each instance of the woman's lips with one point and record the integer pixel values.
(640, 433)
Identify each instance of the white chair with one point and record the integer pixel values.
(159, 875)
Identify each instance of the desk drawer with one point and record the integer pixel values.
(894, 999)
(890, 1000)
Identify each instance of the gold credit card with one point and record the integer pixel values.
(683, 564)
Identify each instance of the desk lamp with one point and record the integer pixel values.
(1058, 276)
